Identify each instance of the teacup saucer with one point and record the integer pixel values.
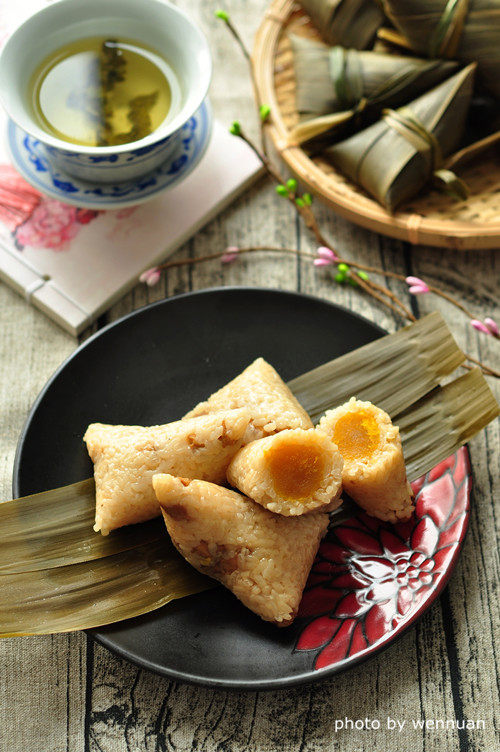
(32, 160)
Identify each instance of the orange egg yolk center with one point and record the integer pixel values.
(357, 435)
(296, 469)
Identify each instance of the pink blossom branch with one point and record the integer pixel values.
(324, 257)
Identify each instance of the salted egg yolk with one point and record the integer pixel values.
(357, 435)
(296, 468)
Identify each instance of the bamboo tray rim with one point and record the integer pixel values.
(412, 227)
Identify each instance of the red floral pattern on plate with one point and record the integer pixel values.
(372, 579)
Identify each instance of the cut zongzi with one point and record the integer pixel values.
(291, 472)
(263, 558)
(352, 23)
(335, 86)
(374, 469)
(394, 158)
(467, 30)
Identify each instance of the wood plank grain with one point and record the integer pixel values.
(446, 666)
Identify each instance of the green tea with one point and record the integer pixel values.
(102, 92)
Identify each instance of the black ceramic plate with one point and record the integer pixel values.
(151, 367)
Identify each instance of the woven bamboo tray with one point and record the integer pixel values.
(432, 219)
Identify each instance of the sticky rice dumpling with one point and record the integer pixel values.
(271, 403)
(263, 558)
(338, 88)
(349, 22)
(374, 471)
(126, 457)
(394, 158)
(290, 473)
(465, 30)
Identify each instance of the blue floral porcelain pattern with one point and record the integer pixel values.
(33, 160)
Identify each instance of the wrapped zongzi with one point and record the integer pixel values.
(352, 23)
(335, 85)
(467, 30)
(394, 158)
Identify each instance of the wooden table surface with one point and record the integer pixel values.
(64, 692)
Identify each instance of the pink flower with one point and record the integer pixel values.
(51, 225)
(480, 326)
(151, 276)
(488, 326)
(230, 255)
(492, 326)
(18, 199)
(417, 285)
(326, 257)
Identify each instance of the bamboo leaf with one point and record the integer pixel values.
(394, 158)
(54, 528)
(90, 594)
(436, 426)
(392, 372)
(451, 184)
(466, 30)
(349, 22)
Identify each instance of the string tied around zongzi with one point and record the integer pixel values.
(339, 90)
(408, 125)
(347, 76)
(465, 30)
(446, 37)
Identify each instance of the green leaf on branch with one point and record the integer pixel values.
(291, 185)
(307, 198)
(264, 111)
(282, 190)
(222, 15)
(235, 128)
(300, 203)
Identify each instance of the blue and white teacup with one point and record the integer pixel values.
(154, 23)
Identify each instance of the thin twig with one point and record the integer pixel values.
(386, 291)
(485, 369)
(364, 284)
(305, 211)
(246, 53)
(394, 275)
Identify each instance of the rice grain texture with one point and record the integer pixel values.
(271, 403)
(263, 558)
(291, 473)
(377, 481)
(126, 457)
